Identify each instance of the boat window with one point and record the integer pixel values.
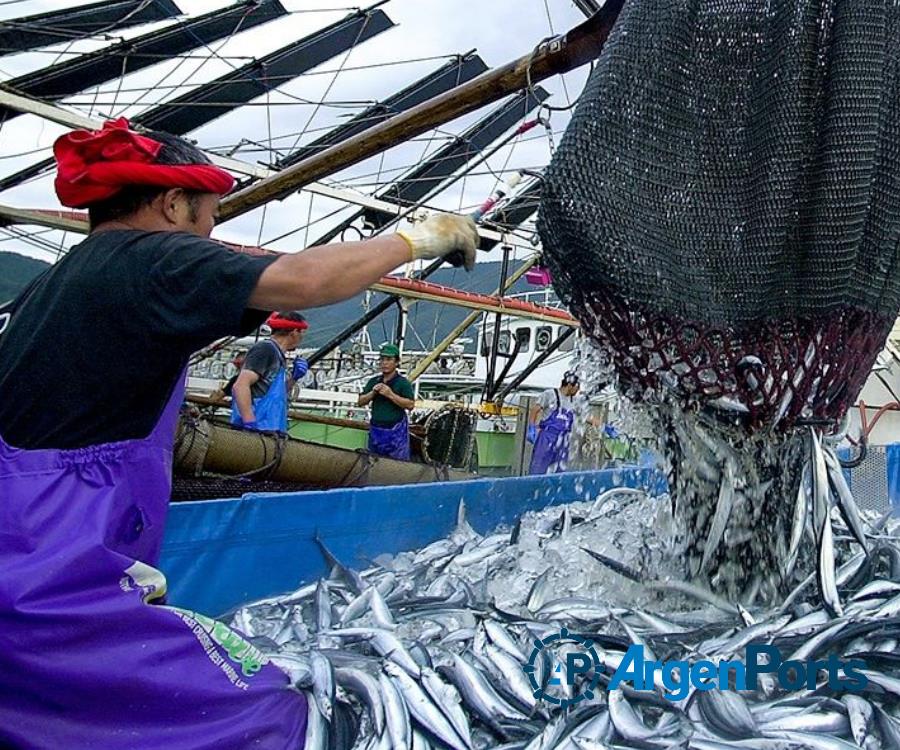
(567, 345)
(523, 336)
(504, 346)
(543, 338)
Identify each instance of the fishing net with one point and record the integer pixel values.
(450, 436)
(723, 214)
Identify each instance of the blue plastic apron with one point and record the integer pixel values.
(551, 451)
(391, 442)
(270, 408)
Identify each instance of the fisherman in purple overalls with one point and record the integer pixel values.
(86, 659)
(391, 396)
(550, 427)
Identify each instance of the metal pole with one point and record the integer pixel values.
(534, 364)
(495, 341)
(367, 318)
(466, 322)
(520, 449)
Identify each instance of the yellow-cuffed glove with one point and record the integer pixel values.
(443, 235)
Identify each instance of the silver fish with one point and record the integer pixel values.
(396, 714)
(422, 709)
(859, 714)
(367, 688)
(798, 523)
(720, 519)
(447, 699)
(627, 721)
(323, 683)
(479, 693)
(500, 637)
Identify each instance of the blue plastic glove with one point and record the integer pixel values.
(611, 431)
(532, 434)
(250, 425)
(300, 368)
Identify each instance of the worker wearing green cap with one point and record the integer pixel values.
(391, 396)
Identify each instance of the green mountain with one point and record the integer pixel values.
(15, 273)
(428, 322)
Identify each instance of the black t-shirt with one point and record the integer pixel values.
(265, 359)
(91, 350)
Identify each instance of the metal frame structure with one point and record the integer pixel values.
(432, 176)
(216, 98)
(588, 7)
(205, 103)
(70, 24)
(66, 78)
(554, 56)
(463, 68)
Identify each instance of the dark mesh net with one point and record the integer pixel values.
(723, 212)
(723, 215)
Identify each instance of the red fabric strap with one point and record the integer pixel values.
(93, 165)
(277, 323)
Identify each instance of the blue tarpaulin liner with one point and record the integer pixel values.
(219, 554)
(892, 454)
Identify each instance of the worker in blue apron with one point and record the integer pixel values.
(391, 396)
(552, 434)
(261, 392)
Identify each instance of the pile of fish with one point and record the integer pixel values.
(426, 649)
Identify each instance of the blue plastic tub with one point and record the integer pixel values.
(218, 554)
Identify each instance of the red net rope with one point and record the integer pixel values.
(773, 375)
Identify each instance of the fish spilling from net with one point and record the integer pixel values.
(720, 216)
(427, 649)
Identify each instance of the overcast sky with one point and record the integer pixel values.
(500, 30)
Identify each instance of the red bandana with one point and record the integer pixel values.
(277, 323)
(94, 165)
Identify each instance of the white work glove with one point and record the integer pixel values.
(449, 236)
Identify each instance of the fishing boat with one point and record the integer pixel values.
(302, 105)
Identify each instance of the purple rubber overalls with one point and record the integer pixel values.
(551, 450)
(85, 660)
(391, 442)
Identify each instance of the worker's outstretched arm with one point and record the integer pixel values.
(331, 273)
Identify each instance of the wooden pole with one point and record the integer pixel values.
(558, 55)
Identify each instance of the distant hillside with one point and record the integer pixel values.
(15, 272)
(428, 322)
